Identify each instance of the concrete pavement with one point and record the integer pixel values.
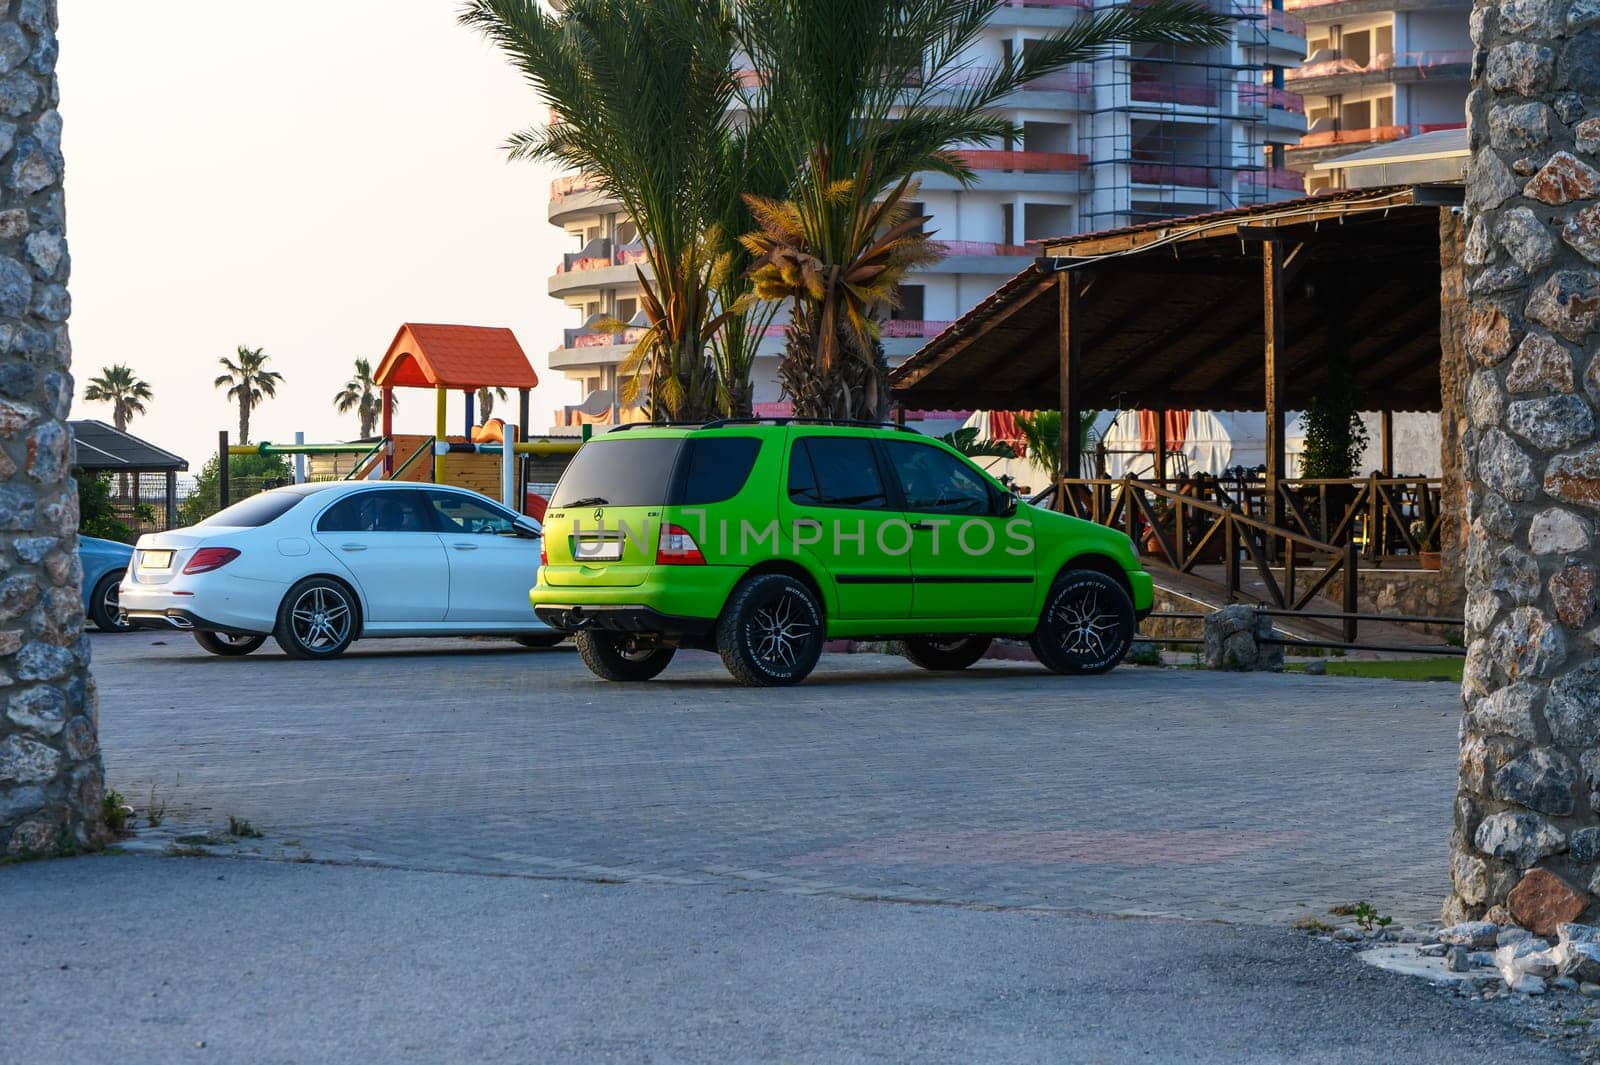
(160, 960)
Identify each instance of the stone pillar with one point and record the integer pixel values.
(50, 777)
(1453, 369)
(1526, 832)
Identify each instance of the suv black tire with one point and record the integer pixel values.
(1087, 625)
(229, 646)
(541, 641)
(771, 631)
(609, 657)
(930, 652)
(103, 605)
(321, 597)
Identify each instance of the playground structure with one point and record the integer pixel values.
(443, 358)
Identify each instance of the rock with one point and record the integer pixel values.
(1552, 422)
(1528, 985)
(1589, 990)
(1481, 959)
(1456, 960)
(1519, 837)
(1498, 914)
(1564, 178)
(1574, 477)
(1540, 363)
(1526, 239)
(1564, 983)
(1526, 957)
(1525, 643)
(1235, 639)
(1519, 67)
(1491, 335)
(1573, 594)
(1568, 303)
(1485, 402)
(1519, 127)
(1557, 532)
(1509, 711)
(1543, 901)
(1582, 231)
(1315, 669)
(1347, 935)
(1539, 779)
(1489, 182)
(1435, 950)
(1584, 845)
(1510, 934)
(26, 761)
(1506, 468)
(1470, 934)
(1572, 708)
(32, 838)
(40, 710)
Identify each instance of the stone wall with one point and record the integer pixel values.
(1525, 814)
(50, 778)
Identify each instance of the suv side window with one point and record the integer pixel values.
(375, 512)
(714, 468)
(836, 471)
(934, 481)
(457, 513)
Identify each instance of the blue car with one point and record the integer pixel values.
(104, 562)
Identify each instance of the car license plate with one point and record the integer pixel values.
(155, 559)
(594, 550)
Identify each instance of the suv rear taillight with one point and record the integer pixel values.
(209, 558)
(677, 548)
(544, 552)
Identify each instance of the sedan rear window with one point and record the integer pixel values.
(256, 511)
(621, 472)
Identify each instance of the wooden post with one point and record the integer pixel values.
(524, 430)
(1351, 624)
(172, 499)
(1161, 446)
(1067, 347)
(1273, 330)
(471, 419)
(440, 395)
(1386, 439)
(222, 468)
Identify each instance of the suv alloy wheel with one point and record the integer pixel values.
(1087, 625)
(771, 631)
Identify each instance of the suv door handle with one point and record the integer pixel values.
(352, 547)
(465, 547)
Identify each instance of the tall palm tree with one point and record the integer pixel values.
(125, 391)
(485, 400)
(642, 94)
(362, 395)
(249, 382)
(863, 95)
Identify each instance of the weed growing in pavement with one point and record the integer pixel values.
(1368, 917)
(175, 850)
(242, 829)
(1311, 924)
(115, 812)
(155, 809)
(1145, 654)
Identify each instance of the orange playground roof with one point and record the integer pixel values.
(455, 356)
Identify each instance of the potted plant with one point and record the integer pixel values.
(1427, 545)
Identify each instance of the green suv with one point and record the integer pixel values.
(762, 539)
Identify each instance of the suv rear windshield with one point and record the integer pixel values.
(655, 471)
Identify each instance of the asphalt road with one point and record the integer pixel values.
(146, 959)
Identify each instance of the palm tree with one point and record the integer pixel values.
(1041, 435)
(642, 95)
(485, 400)
(362, 395)
(863, 95)
(249, 382)
(118, 386)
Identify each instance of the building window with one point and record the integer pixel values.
(1008, 223)
(910, 303)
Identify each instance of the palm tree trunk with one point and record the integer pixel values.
(51, 781)
(244, 421)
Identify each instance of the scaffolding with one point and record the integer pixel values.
(1181, 130)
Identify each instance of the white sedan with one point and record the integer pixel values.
(316, 566)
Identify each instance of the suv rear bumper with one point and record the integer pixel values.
(622, 617)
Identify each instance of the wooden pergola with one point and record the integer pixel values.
(1248, 309)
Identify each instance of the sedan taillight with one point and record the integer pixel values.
(209, 558)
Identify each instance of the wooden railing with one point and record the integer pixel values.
(1185, 530)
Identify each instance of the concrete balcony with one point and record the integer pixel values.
(1330, 144)
(1402, 68)
(1324, 12)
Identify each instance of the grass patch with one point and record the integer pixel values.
(1447, 669)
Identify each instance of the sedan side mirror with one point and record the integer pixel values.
(526, 529)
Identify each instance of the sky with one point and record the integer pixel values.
(301, 176)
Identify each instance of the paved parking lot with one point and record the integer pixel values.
(1242, 798)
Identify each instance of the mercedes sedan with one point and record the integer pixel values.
(317, 566)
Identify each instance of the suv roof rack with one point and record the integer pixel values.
(793, 420)
(720, 423)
